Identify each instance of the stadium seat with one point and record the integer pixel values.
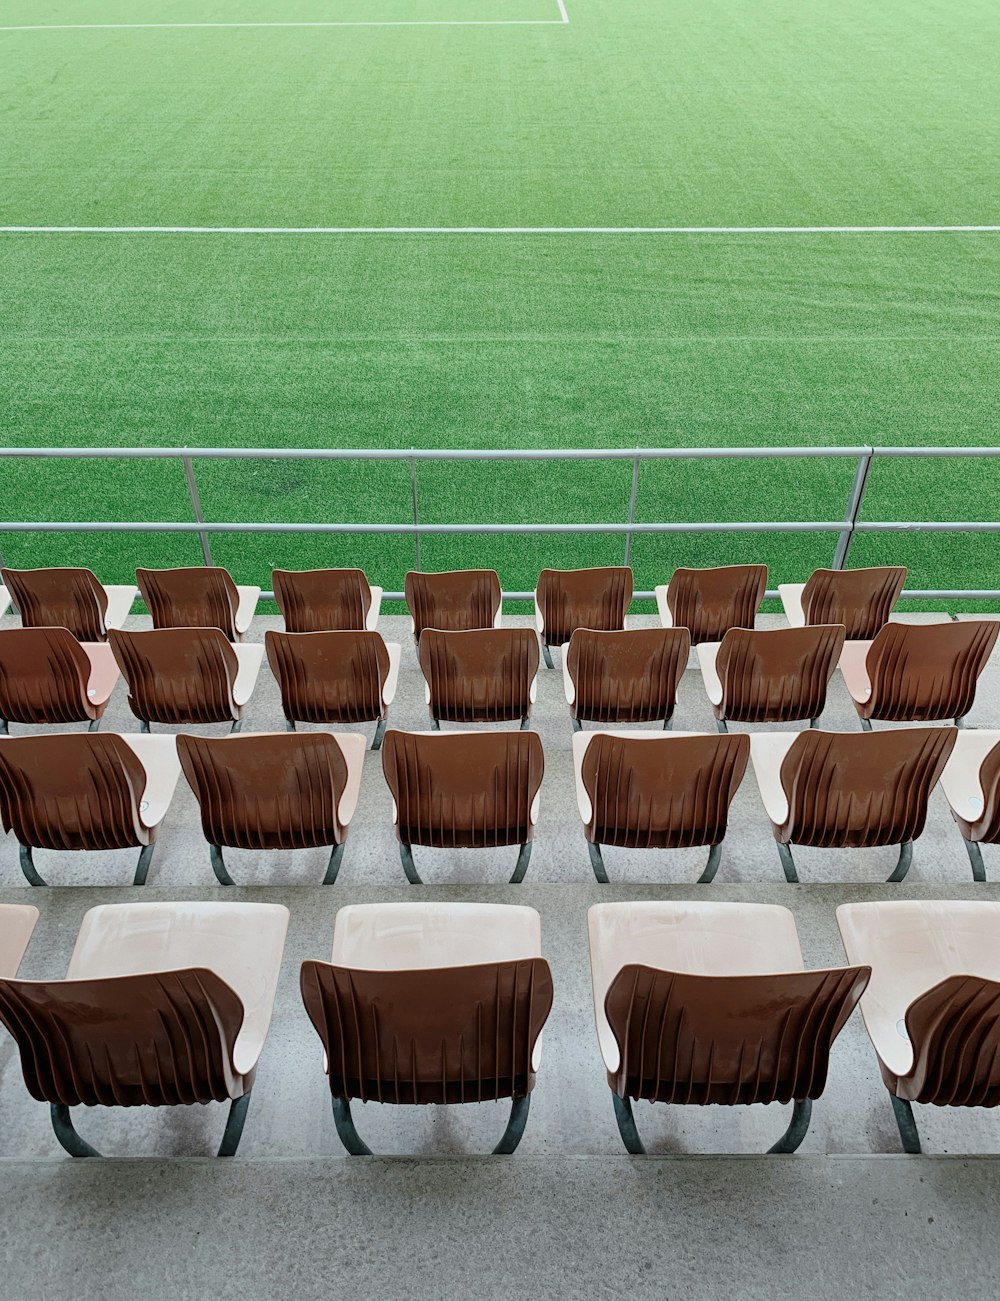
(431, 1003)
(861, 599)
(458, 600)
(708, 602)
(186, 675)
(68, 598)
(702, 1003)
(971, 783)
(624, 677)
(932, 1008)
(274, 791)
(643, 790)
(839, 790)
(335, 677)
(567, 599)
(47, 676)
(17, 922)
(163, 1004)
(486, 676)
(770, 677)
(463, 790)
(73, 790)
(326, 600)
(917, 673)
(198, 597)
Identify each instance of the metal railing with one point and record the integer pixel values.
(845, 527)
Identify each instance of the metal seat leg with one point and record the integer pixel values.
(523, 859)
(626, 1126)
(142, 867)
(787, 862)
(28, 866)
(906, 1125)
(409, 867)
(903, 865)
(712, 866)
(333, 867)
(62, 1124)
(380, 727)
(234, 1125)
(515, 1126)
(346, 1130)
(797, 1127)
(597, 862)
(975, 859)
(219, 866)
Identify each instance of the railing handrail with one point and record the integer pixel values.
(846, 527)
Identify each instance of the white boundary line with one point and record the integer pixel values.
(496, 230)
(561, 21)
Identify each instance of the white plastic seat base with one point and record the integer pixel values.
(121, 597)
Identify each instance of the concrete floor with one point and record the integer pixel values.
(569, 1214)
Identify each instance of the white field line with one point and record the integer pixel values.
(496, 230)
(402, 22)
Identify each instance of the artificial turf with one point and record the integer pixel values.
(636, 112)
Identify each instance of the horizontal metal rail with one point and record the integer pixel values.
(482, 454)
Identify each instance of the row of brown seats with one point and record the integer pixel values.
(909, 673)
(170, 1004)
(468, 790)
(708, 602)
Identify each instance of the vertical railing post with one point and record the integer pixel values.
(192, 483)
(416, 511)
(631, 508)
(854, 503)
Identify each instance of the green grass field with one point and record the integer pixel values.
(492, 113)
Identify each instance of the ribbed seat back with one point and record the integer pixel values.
(583, 598)
(59, 598)
(195, 597)
(178, 675)
(43, 677)
(322, 600)
(329, 677)
(452, 1034)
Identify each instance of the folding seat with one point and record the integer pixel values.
(4, 601)
(642, 790)
(17, 922)
(164, 1004)
(861, 599)
(68, 598)
(710, 1003)
(274, 791)
(74, 790)
(971, 783)
(200, 596)
(335, 677)
(708, 602)
(917, 673)
(770, 677)
(567, 599)
(463, 790)
(932, 1009)
(186, 675)
(839, 790)
(624, 677)
(431, 1003)
(47, 676)
(326, 600)
(486, 676)
(456, 601)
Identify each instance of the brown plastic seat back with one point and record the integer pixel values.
(463, 790)
(273, 791)
(664, 792)
(195, 597)
(860, 599)
(149, 1040)
(457, 601)
(329, 677)
(626, 677)
(955, 1032)
(44, 674)
(847, 791)
(986, 828)
(775, 677)
(922, 672)
(452, 1034)
(71, 790)
(178, 675)
(708, 602)
(727, 1039)
(322, 600)
(59, 598)
(479, 677)
(582, 598)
